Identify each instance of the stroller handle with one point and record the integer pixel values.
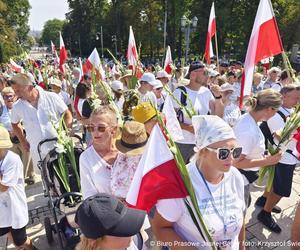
(72, 194)
(41, 143)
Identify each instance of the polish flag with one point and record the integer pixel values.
(62, 53)
(53, 49)
(15, 67)
(168, 61)
(132, 55)
(209, 53)
(172, 123)
(296, 151)
(94, 62)
(157, 176)
(264, 42)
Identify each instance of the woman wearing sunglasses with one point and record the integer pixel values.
(249, 136)
(219, 191)
(97, 160)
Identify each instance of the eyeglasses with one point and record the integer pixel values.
(92, 128)
(158, 88)
(223, 153)
(6, 97)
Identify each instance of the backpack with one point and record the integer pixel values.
(183, 99)
(266, 130)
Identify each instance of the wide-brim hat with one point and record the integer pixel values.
(5, 141)
(133, 139)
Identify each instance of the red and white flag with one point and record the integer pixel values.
(62, 53)
(264, 42)
(15, 67)
(53, 49)
(157, 176)
(212, 28)
(132, 55)
(94, 62)
(168, 61)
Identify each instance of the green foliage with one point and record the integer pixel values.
(51, 32)
(13, 27)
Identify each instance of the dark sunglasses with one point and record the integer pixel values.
(6, 97)
(223, 153)
(91, 128)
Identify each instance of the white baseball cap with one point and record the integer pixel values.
(56, 82)
(226, 87)
(157, 84)
(148, 77)
(162, 73)
(117, 85)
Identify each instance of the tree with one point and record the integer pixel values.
(51, 31)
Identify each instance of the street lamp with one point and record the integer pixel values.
(99, 35)
(188, 26)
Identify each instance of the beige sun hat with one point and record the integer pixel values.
(5, 141)
(133, 139)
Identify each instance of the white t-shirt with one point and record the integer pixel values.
(65, 97)
(37, 122)
(226, 209)
(250, 138)
(95, 173)
(5, 118)
(80, 105)
(148, 97)
(13, 204)
(276, 123)
(200, 101)
(276, 86)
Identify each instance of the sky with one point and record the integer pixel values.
(43, 10)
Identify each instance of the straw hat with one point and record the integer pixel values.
(143, 112)
(133, 139)
(5, 141)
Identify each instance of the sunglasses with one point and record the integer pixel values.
(223, 153)
(6, 97)
(91, 128)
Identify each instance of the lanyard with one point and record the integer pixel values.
(221, 215)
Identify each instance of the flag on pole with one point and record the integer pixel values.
(62, 53)
(53, 49)
(209, 53)
(168, 61)
(132, 55)
(15, 67)
(94, 62)
(264, 42)
(157, 176)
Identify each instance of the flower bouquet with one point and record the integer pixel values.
(284, 138)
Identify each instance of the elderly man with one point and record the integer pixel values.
(38, 110)
(56, 86)
(10, 98)
(273, 74)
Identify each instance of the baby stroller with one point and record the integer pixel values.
(62, 204)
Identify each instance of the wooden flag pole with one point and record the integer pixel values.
(286, 63)
(217, 52)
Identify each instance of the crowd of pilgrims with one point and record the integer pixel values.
(222, 145)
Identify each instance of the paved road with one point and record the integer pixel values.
(257, 236)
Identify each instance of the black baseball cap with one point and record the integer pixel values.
(104, 214)
(193, 66)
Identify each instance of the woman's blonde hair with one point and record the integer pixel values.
(267, 98)
(85, 244)
(106, 110)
